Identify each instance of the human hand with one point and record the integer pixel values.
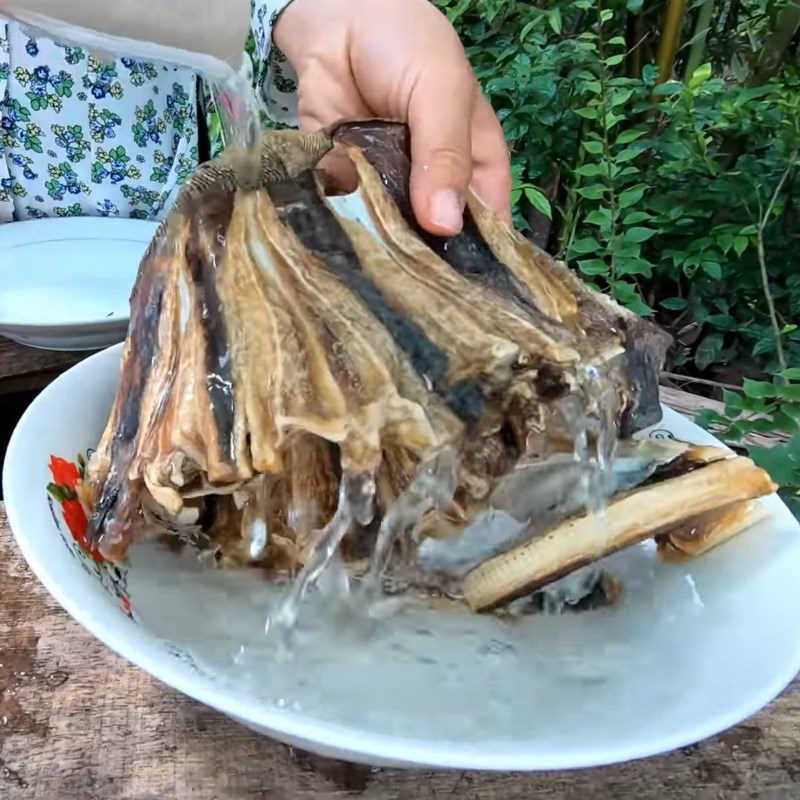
(401, 60)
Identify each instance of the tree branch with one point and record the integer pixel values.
(668, 46)
(762, 260)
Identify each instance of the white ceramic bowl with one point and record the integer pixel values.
(66, 282)
(689, 650)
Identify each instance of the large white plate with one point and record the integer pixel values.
(689, 650)
(65, 283)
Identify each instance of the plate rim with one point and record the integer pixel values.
(28, 232)
(348, 742)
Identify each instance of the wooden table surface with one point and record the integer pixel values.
(24, 369)
(79, 723)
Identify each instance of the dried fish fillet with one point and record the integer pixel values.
(629, 520)
(308, 374)
(698, 535)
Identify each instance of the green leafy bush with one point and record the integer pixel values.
(679, 196)
(765, 407)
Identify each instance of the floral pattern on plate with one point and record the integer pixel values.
(68, 489)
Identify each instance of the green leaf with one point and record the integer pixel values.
(765, 345)
(606, 14)
(649, 74)
(709, 351)
(639, 234)
(613, 61)
(791, 374)
(587, 113)
(763, 425)
(724, 322)
(725, 241)
(674, 303)
(757, 405)
(623, 290)
(587, 244)
(639, 307)
(792, 410)
(699, 77)
(758, 389)
(628, 295)
(636, 216)
(712, 269)
(620, 98)
(788, 392)
(708, 418)
(600, 216)
(779, 461)
(554, 18)
(628, 154)
(621, 246)
(785, 421)
(617, 40)
(749, 230)
(734, 402)
(740, 244)
(590, 170)
(527, 28)
(593, 266)
(58, 493)
(537, 199)
(786, 329)
(631, 196)
(634, 266)
(626, 137)
(595, 148)
(668, 88)
(593, 192)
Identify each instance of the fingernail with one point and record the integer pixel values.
(447, 210)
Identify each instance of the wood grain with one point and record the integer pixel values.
(79, 723)
(24, 369)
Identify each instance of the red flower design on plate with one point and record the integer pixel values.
(68, 491)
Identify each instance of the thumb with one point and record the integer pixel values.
(440, 118)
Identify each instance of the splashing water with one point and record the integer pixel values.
(433, 487)
(356, 504)
(591, 419)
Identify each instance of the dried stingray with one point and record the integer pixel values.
(302, 370)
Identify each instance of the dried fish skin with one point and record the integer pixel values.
(282, 347)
